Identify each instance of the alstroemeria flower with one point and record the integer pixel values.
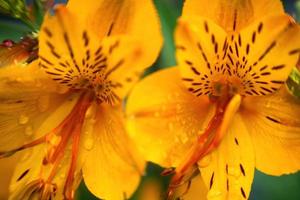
(64, 110)
(229, 110)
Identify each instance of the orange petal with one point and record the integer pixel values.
(28, 99)
(165, 125)
(232, 15)
(274, 125)
(116, 17)
(229, 170)
(200, 48)
(112, 167)
(271, 49)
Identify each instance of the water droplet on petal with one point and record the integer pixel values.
(204, 162)
(89, 144)
(170, 126)
(183, 138)
(28, 131)
(55, 139)
(23, 119)
(43, 103)
(178, 108)
(233, 171)
(91, 111)
(26, 155)
(156, 114)
(214, 194)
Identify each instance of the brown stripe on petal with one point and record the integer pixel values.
(46, 60)
(260, 27)
(206, 27)
(242, 170)
(272, 45)
(266, 89)
(294, 51)
(253, 37)
(247, 49)
(278, 67)
(85, 38)
(273, 119)
(48, 32)
(236, 141)
(187, 79)
(277, 82)
(240, 40)
(195, 71)
(114, 68)
(243, 193)
(265, 74)
(23, 174)
(211, 180)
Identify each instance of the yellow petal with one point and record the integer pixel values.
(7, 166)
(30, 177)
(165, 125)
(255, 61)
(122, 17)
(31, 173)
(76, 57)
(28, 98)
(274, 125)
(232, 15)
(112, 167)
(228, 171)
(200, 45)
(126, 62)
(271, 47)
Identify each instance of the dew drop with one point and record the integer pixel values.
(89, 144)
(214, 194)
(234, 171)
(23, 119)
(204, 162)
(26, 155)
(178, 108)
(170, 126)
(156, 114)
(62, 176)
(43, 103)
(91, 111)
(28, 131)
(164, 108)
(183, 138)
(54, 141)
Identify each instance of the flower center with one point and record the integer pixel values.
(79, 64)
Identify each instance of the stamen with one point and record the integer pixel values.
(209, 140)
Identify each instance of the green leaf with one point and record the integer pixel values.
(293, 82)
(38, 12)
(168, 10)
(17, 9)
(13, 30)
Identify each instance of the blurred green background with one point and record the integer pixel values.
(264, 187)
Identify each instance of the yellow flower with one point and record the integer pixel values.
(65, 109)
(228, 111)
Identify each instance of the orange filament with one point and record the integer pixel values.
(208, 141)
(70, 127)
